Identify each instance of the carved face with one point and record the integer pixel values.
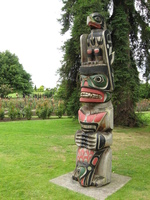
(95, 84)
(95, 20)
(92, 88)
(89, 86)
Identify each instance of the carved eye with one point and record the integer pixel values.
(97, 18)
(99, 79)
(78, 171)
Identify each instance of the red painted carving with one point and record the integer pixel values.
(96, 118)
(94, 162)
(84, 155)
(96, 50)
(94, 25)
(89, 51)
(91, 118)
(81, 116)
(82, 182)
(86, 83)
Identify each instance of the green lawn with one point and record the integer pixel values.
(33, 152)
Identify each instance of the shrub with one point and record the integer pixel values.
(15, 108)
(43, 113)
(59, 109)
(44, 109)
(143, 105)
(2, 114)
(4, 103)
(38, 112)
(12, 112)
(27, 112)
(19, 114)
(49, 112)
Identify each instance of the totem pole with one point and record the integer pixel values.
(94, 155)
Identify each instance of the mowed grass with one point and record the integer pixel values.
(131, 157)
(33, 152)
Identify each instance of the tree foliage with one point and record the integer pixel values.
(142, 19)
(5, 89)
(50, 92)
(41, 88)
(144, 91)
(12, 74)
(129, 37)
(129, 22)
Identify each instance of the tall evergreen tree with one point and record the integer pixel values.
(129, 23)
(130, 38)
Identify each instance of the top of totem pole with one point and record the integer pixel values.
(96, 60)
(95, 21)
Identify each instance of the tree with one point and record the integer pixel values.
(129, 23)
(35, 88)
(13, 75)
(144, 90)
(143, 50)
(50, 92)
(5, 90)
(129, 37)
(41, 89)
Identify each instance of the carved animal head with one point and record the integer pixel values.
(95, 20)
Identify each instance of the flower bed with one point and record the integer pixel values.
(29, 108)
(143, 105)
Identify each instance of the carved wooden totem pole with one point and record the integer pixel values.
(94, 155)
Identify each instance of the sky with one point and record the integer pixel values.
(30, 30)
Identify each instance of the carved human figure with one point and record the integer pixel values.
(94, 155)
